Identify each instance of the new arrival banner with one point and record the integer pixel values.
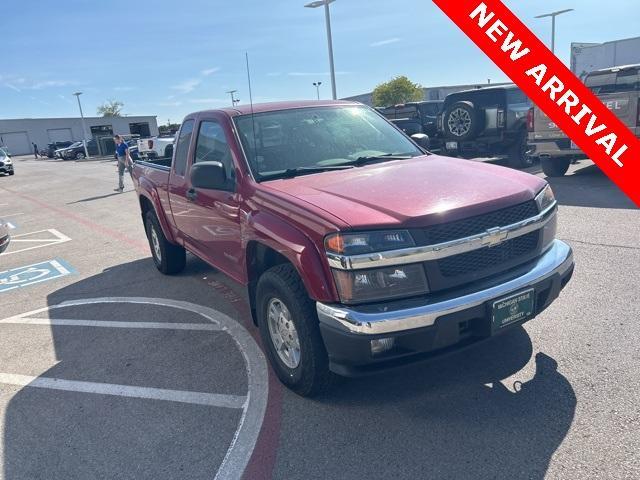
(552, 87)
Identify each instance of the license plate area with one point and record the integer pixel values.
(452, 145)
(514, 308)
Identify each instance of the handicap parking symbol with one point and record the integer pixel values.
(36, 273)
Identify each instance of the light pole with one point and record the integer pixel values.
(327, 15)
(234, 100)
(553, 16)
(317, 85)
(84, 127)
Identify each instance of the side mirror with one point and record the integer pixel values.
(422, 139)
(209, 175)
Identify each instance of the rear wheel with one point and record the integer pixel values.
(555, 166)
(289, 329)
(79, 156)
(518, 157)
(169, 258)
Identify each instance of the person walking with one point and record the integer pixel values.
(35, 149)
(124, 161)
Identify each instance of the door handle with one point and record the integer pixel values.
(192, 195)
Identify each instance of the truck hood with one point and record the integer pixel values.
(417, 192)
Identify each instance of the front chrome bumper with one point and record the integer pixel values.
(557, 260)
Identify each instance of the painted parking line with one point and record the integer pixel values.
(12, 215)
(181, 396)
(253, 405)
(61, 322)
(31, 274)
(12, 226)
(34, 240)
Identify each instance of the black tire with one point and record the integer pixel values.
(462, 121)
(311, 376)
(555, 166)
(168, 152)
(170, 259)
(11, 172)
(79, 156)
(518, 157)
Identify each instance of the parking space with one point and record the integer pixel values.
(110, 370)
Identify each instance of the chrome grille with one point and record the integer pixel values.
(479, 224)
(490, 257)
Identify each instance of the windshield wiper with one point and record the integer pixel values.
(295, 172)
(374, 158)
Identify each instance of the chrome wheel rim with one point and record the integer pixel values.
(155, 241)
(459, 122)
(283, 333)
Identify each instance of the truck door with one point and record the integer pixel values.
(181, 209)
(214, 222)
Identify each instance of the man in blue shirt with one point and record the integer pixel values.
(124, 160)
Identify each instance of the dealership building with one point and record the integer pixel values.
(18, 135)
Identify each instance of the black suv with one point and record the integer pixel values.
(487, 122)
(416, 117)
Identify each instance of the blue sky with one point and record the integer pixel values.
(169, 58)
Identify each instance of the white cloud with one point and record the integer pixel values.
(12, 87)
(124, 89)
(207, 100)
(169, 104)
(314, 74)
(209, 71)
(187, 86)
(388, 41)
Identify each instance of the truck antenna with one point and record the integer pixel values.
(253, 123)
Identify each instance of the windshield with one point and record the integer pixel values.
(318, 138)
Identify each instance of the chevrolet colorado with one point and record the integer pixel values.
(359, 249)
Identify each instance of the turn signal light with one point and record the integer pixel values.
(530, 119)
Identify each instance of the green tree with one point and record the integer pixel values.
(398, 90)
(111, 108)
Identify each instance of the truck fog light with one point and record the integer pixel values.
(382, 345)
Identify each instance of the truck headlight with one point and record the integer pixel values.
(378, 284)
(368, 242)
(545, 198)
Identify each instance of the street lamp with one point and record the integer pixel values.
(234, 100)
(317, 85)
(84, 127)
(553, 16)
(327, 15)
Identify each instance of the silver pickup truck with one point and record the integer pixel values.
(619, 90)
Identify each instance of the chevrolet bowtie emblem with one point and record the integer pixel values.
(494, 236)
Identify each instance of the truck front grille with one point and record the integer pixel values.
(489, 257)
(465, 268)
(479, 224)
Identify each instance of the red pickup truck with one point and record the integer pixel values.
(360, 250)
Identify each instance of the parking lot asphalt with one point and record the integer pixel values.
(110, 370)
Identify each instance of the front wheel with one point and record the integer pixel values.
(11, 172)
(555, 167)
(169, 258)
(79, 156)
(289, 329)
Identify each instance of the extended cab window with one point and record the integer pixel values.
(212, 146)
(182, 148)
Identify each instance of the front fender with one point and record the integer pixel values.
(283, 237)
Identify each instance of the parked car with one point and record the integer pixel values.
(52, 147)
(155, 147)
(487, 122)
(6, 164)
(5, 238)
(358, 249)
(618, 88)
(416, 117)
(76, 150)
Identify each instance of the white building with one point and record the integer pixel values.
(17, 135)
